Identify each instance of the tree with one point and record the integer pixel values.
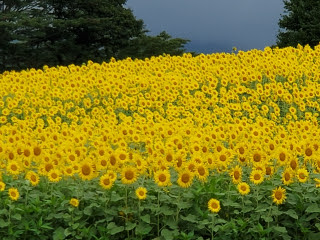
(146, 46)
(60, 32)
(300, 24)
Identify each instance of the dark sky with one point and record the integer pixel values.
(213, 25)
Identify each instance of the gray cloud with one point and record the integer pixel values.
(213, 25)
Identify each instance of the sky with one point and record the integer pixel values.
(213, 25)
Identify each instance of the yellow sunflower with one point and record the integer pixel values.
(106, 181)
(243, 188)
(236, 174)
(128, 175)
(214, 205)
(162, 178)
(33, 178)
(86, 170)
(256, 176)
(141, 193)
(287, 176)
(13, 167)
(302, 175)
(185, 179)
(2, 186)
(74, 202)
(13, 194)
(54, 175)
(279, 195)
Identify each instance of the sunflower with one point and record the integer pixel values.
(214, 205)
(185, 179)
(162, 178)
(128, 175)
(13, 167)
(243, 188)
(54, 175)
(86, 170)
(13, 194)
(74, 202)
(236, 174)
(256, 176)
(279, 195)
(2, 186)
(106, 182)
(202, 172)
(302, 175)
(287, 176)
(33, 178)
(141, 193)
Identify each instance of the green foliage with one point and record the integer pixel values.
(44, 211)
(146, 46)
(301, 23)
(37, 33)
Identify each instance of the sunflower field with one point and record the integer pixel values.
(219, 146)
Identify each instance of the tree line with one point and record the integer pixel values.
(34, 33)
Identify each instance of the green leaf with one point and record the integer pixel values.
(58, 234)
(143, 229)
(166, 210)
(318, 226)
(87, 211)
(3, 223)
(280, 229)
(146, 218)
(114, 229)
(16, 216)
(292, 213)
(189, 218)
(167, 234)
(267, 218)
(313, 208)
(130, 225)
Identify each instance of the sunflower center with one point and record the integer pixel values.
(54, 175)
(287, 176)
(185, 178)
(113, 160)
(169, 158)
(241, 150)
(106, 181)
(257, 177)
(13, 194)
(282, 157)
(201, 171)
(308, 152)
(278, 195)
(103, 163)
(33, 178)
(293, 164)
(86, 170)
(129, 175)
(37, 151)
(236, 175)
(214, 205)
(223, 158)
(162, 177)
(302, 176)
(243, 188)
(141, 193)
(122, 156)
(14, 167)
(257, 157)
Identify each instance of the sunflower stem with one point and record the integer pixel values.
(158, 222)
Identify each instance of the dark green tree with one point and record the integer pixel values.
(146, 46)
(61, 32)
(300, 24)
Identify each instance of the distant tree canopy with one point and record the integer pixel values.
(60, 32)
(300, 24)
